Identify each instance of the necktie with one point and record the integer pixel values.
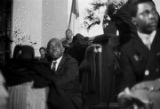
(53, 66)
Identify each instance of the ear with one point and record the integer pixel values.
(134, 20)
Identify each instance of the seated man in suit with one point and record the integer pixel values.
(65, 74)
(140, 56)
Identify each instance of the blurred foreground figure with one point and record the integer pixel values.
(3, 94)
(144, 95)
(26, 87)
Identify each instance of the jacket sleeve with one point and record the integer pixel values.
(70, 72)
(127, 73)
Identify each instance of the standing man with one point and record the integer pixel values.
(65, 74)
(140, 57)
(68, 38)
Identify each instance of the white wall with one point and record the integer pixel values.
(26, 20)
(54, 20)
(157, 2)
(38, 21)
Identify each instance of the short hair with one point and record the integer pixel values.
(17, 51)
(132, 6)
(68, 29)
(42, 48)
(57, 41)
(27, 52)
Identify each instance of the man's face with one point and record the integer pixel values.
(55, 50)
(42, 52)
(69, 34)
(146, 18)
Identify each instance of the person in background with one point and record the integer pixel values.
(122, 19)
(18, 79)
(43, 54)
(26, 80)
(68, 38)
(140, 57)
(65, 73)
(3, 93)
(78, 47)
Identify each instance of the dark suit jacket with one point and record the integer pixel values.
(67, 81)
(135, 59)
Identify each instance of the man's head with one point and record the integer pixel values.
(144, 15)
(27, 52)
(69, 34)
(42, 51)
(55, 48)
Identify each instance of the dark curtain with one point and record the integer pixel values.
(5, 30)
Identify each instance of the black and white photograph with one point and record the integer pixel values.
(79, 54)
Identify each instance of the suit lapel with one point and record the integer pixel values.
(143, 51)
(139, 48)
(155, 49)
(60, 65)
(156, 42)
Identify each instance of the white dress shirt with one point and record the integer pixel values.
(56, 63)
(147, 39)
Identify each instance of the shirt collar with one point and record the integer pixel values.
(57, 62)
(145, 37)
